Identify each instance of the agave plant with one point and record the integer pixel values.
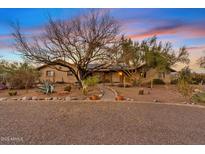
(47, 88)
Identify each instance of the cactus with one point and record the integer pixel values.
(47, 88)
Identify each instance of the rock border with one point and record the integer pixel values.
(116, 93)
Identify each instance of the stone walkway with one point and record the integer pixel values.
(108, 94)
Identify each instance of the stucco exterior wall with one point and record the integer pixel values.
(59, 76)
(153, 74)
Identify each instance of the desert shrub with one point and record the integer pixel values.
(141, 91)
(67, 88)
(136, 83)
(158, 81)
(124, 85)
(12, 93)
(199, 97)
(197, 78)
(184, 83)
(174, 81)
(91, 81)
(106, 81)
(20, 75)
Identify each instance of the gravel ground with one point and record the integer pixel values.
(163, 93)
(100, 123)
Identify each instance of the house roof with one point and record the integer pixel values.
(110, 68)
(57, 61)
(144, 65)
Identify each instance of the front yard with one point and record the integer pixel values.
(161, 93)
(59, 92)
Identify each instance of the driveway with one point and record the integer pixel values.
(100, 123)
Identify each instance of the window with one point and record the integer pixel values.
(161, 75)
(50, 73)
(69, 73)
(143, 74)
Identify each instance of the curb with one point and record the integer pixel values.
(102, 101)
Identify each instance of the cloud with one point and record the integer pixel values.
(162, 30)
(5, 45)
(170, 27)
(198, 48)
(6, 36)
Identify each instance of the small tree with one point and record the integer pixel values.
(20, 75)
(183, 83)
(89, 82)
(161, 56)
(156, 55)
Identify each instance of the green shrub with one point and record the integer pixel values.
(183, 83)
(197, 78)
(174, 81)
(136, 83)
(199, 97)
(106, 81)
(67, 88)
(12, 93)
(91, 81)
(158, 81)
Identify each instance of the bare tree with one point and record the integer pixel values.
(83, 40)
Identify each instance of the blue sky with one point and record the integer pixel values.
(179, 26)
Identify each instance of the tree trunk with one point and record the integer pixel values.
(151, 84)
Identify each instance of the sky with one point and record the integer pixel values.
(181, 27)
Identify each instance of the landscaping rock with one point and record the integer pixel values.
(48, 98)
(128, 99)
(55, 98)
(25, 98)
(3, 99)
(74, 98)
(67, 98)
(156, 100)
(197, 91)
(34, 98)
(14, 98)
(100, 95)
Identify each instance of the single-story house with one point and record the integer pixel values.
(113, 74)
